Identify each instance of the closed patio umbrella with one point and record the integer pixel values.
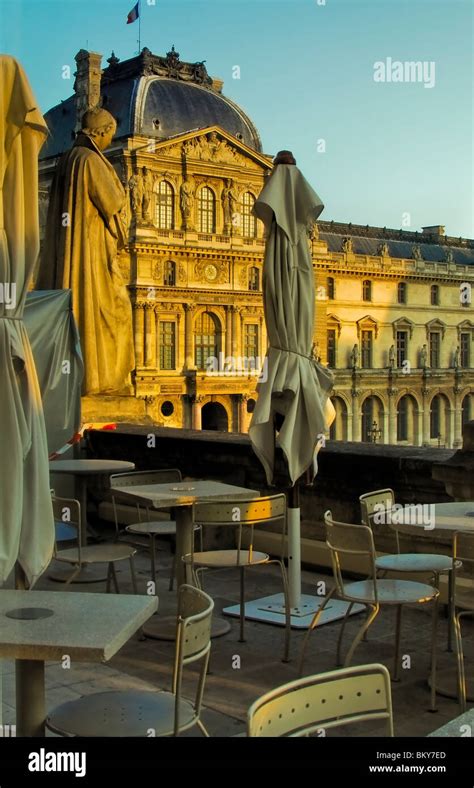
(293, 409)
(26, 516)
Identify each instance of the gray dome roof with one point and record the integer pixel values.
(154, 106)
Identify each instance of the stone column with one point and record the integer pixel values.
(419, 431)
(451, 428)
(150, 335)
(236, 331)
(139, 318)
(188, 335)
(457, 434)
(196, 412)
(356, 417)
(243, 415)
(392, 418)
(228, 331)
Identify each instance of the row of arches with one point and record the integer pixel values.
(408, 409)
(206, 210)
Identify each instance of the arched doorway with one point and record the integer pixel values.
(214, 417)
(440, 421)
(338, 429)
(372, 420)
(407, 420)
(467, 409)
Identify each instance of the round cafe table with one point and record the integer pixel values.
(82, 470)
(448, 519)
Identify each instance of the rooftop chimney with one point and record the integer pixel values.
(435, 229)
(87, 83)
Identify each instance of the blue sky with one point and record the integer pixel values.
(306, 74)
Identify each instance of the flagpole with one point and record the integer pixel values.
(139, 26)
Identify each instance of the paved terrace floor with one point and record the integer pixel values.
(229, 691)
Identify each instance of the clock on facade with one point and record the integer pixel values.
(210, 272)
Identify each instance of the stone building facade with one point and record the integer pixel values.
(192, 164)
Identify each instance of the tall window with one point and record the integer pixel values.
(402, 293)
(435, 420)
(164, 216)
(167, 345)
(367, 418)
(434, 295)
(366, 354)
(254, 278)
(331, 347)
(249, 222)
(330, 288)
(206, 343)
(402, 419)
(207, 210)
(367, 290)
(435, 347)
(465, 346)
(402, 347)
(169, 275)
(251, 350)
(466, 408)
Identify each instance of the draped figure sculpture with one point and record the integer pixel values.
(83, 236)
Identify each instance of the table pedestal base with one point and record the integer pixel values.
(271, 610)
(164, 627)
(447, 684)
(30, 698)
(90, 574)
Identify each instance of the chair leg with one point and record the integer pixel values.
(242, 605)
(341, 633)
(114, 578)
(133, 575)
(396, 659)
(202, 728)
(73, 575)
(312, 626)
(434, 653)
(174, 566)
(153, 560)
(286, 594)
(460, 661)
(367, 623)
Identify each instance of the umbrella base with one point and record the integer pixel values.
(271, 610)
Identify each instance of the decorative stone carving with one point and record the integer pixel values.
(416, 252)
(449, 256)
(135, 186)
(391, 357)
(181, 274)
(209, 147)
(347, 245)
(157, 272)
(383, 250)
(424, 357)
(147, 189)
(354, 357)
(230, 204)
(212, 271)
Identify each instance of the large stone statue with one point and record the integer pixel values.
(147, 182)
(187, 202)
(135, 186)
(391, 357)
(83, 235)
(457, 358)
(424, 357)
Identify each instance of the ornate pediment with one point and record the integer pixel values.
(403, 324)
(214, 146)
(435, 325)
(367, 323)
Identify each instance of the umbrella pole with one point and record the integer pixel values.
(294, 546)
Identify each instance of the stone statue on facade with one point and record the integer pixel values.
(147, 192)
(135, 186)
(355, 356)
(347, 245)
(457, 358)
(230, 202)
(383, 249)
(424, 357)
(416, 252)
(84, 234)
(449, 256)
(186, 196)
(391, 357)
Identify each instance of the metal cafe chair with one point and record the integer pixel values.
(236, 514)
(80, 555)
(143, 712)
(463, 601)
(344, 539)
(148, 526)
(428, 563)
(319, 703)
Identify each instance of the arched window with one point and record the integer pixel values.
(466, 409)
(206, 339)
(249, 222)
(367, 290)
(207, 210)
(169, 275)
(372, 420)
(330, 288)
(434, 295)
(402, 293)
(164, 212)
(254, 278)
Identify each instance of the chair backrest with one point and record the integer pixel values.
(67, 512)
(315, 704)
(346, 539)
(136, 478)
(251, 512)
(373, 505)
(193, 642)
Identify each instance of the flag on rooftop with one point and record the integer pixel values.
(134, 14)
